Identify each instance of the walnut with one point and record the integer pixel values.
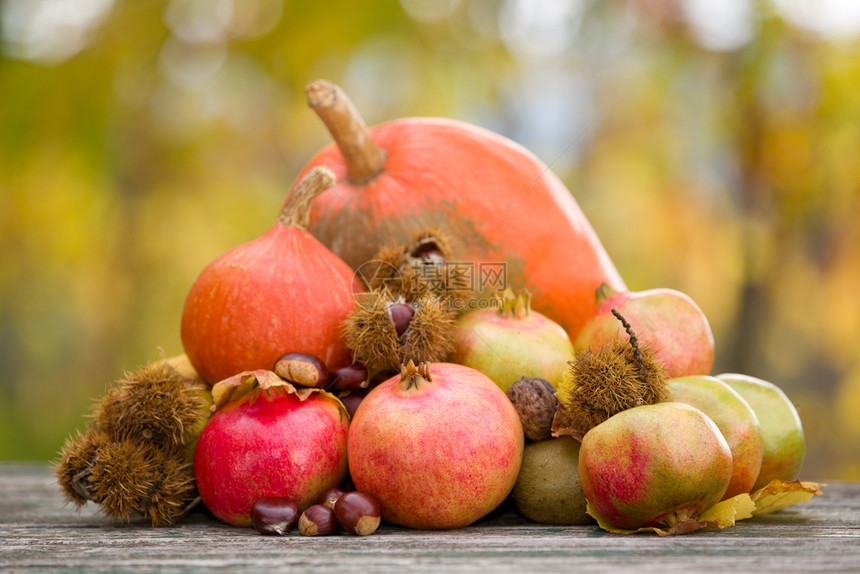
(534, 399)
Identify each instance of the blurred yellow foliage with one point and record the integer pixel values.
(714, 152)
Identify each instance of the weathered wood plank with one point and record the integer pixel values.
(38, 531)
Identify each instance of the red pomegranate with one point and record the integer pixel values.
(512, 341)
(654, 466)
(666, 320)
(510, 219)
(282, 292)
(268, 439)
(439, 446)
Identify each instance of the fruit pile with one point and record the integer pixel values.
(431, 327)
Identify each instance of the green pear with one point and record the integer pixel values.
(781, 429)
(547, 489)
(735, 419)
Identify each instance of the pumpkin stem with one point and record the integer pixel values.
(296, 211)
(364, 159)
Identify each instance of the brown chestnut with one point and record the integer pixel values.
(349, 378)
(401, 315)
(358, 513)
(351, 400)
(317, 520)
(328, 497)
(274, 515)
(302, 369)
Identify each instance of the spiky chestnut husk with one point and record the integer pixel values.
(133, 459)
(157, 403)
(419, 267)
(383, 272)
(163, 401)
(430, 244)
(73, 467)
(371, 334)
(126, 478)
(133, 479)
(172, 492)
(425, 262)
(119, 477)
(399, 262)
(602, 383)
(106, 411)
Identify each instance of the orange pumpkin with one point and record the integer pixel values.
(511, 221)
(279, 293)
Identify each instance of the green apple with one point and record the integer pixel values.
(781, 429)
(735, 419)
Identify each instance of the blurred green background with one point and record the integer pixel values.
(715, 147)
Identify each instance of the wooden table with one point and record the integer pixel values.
(38, 531)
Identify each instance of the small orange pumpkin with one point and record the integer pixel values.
(282, 292)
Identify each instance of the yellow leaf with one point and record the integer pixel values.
(727, 512)
(779, 494)
(683, 526)
(721, 515)
(606, 525)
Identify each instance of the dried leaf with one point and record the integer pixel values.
(249, 381)
(725, 513)
(603, 524)
(721, 515)
(680, 527)
(779, 494)
(562, 426)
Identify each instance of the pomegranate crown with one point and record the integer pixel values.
(410, 373)
(604, 292)
(516, 305)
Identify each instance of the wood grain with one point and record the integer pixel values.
(38, 531)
